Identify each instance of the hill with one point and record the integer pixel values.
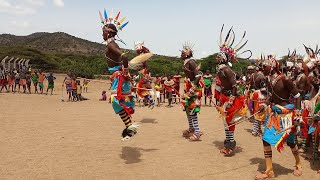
(57, 42)
(61, 52)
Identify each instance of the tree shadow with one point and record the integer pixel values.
(133, 155)
(220, 144)
(149, 121)
(280, 170)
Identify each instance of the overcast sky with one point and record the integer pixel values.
(272, 26)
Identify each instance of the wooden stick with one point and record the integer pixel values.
(143, 89)
(284, 130)
(236, 123)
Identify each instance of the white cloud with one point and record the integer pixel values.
(58, 3)
(23, 24)
(24, 7)
(8, 8)
(35, 2)
(20, 7)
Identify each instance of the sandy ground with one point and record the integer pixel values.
(44, 138)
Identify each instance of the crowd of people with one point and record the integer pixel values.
(74, 88)
(26, 81)
(281, 104)
(166, 87)
(21, 80)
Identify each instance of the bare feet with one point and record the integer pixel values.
(226, 151)
(187, 133)
(298, 170)
(265, 175)
(194, 137)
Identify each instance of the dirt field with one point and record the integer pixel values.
(44, 138)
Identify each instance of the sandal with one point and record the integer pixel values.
(256, 134)
(226, 151)
(195, 137)
(298, 170)
(264, 175)
(187, 133)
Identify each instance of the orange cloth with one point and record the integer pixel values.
(41, 78)
(73, 84)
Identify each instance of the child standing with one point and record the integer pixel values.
(67, 81)
(3, 80)
(11, 80)
(35, 78)
(74, 89)
(28, 80)
(85, 85)
(41, 80)
(17, 81)
(158, 88)
(79, 90)
(50, 79)
(23, 80)
(169, 86)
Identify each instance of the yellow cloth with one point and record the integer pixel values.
(79, 89)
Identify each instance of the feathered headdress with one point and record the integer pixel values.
(116, 21)
(187, 49)
(259, 60)
(228, 50)
(312, 55)
(270, 61)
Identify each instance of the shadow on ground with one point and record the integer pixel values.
(220, 144)
(278, 169)
(133, 155)
(149, 121)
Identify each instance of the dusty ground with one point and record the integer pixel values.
(44, 138)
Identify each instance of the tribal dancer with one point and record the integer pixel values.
(230, 103)
(250, 70)
(283, 119)
(217, 89)
(192, 96)
(163, 90)
(144, 80)
(158, 88)
(121, 98)
(258, 98)
(176, 79)
(169, 86)
(313, 105)
(207, 79)
(302, 82)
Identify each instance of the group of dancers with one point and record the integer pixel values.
(283, 103)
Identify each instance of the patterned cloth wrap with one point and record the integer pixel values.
(308, 106)
(257, 99)
(142, 84)
(315, 124)
(3, 82)
(121, 97)
(217, 89)
(192, 102)
(176, 79)
(279, 118)
(208, 83)
(238, 108)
